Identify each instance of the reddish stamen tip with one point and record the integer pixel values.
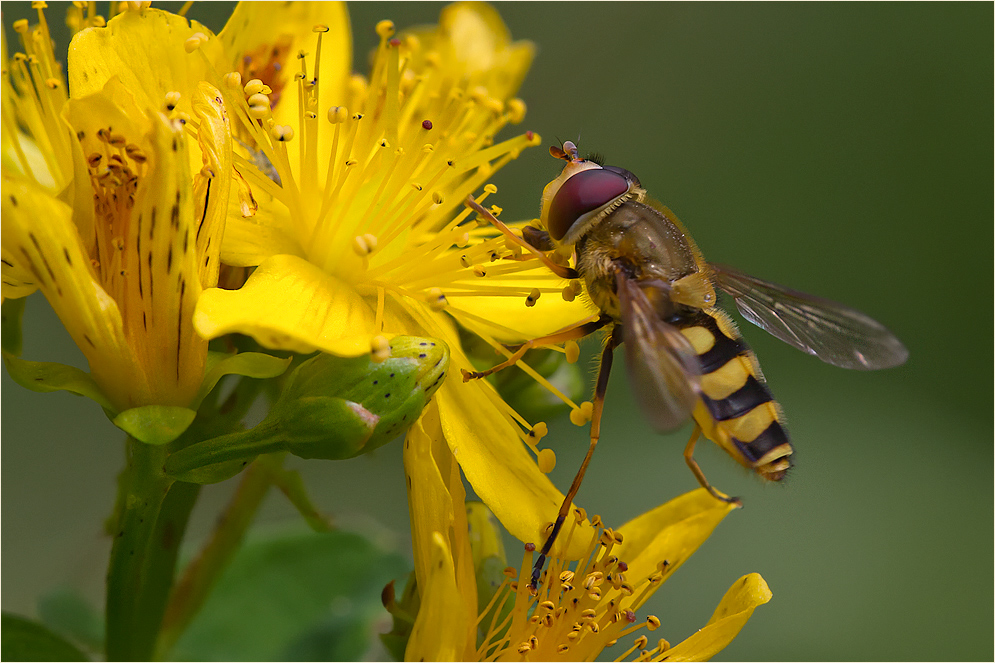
(630, 616)
(426, 124)
(530, 547)
(529, 134)
(395, 42)
(623, 567)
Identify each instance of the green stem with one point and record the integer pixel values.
(204, 570)
(153, 516)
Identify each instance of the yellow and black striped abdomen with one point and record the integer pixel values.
(736, 409)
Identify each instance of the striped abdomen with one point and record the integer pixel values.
(736, 410)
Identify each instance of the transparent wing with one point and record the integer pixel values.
(663, 368)
(836, 334)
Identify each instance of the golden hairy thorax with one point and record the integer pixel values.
(641, 239)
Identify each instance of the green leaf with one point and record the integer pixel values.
(22, 639)
(46, 376)
(10, 325)
(297, 597)
(66, 611)
(155, 424)
(249, 364)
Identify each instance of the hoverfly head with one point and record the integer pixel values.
(583, 190)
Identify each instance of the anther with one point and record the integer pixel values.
(22, 25)
(490, 188)
(379, 349)
(516, 110)
(281, 133)
(426, 125)
(258, 99)
(530, 547)
(567, 576)
(546, 461)
(338, 114)
(572, 351)
(562, 649)
(365, 244)
(437, 197)
(53, 83)
(94, 159)
(652, 622)
(510, 572)
(464, 261)
(539, 431)
(577, 417)
(436, 299)
(320, 28)
(385, 29)
(255, 86)
(524, 648)
(533, 297)
(172, 99)
(478, 270)
(233, 80)
(194, 42)
(641, 642)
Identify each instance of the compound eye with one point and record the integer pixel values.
(628, 175)
(584, 192)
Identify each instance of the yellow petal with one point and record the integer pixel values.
(479, 431)
(270, 231)
(436, 500)
(671, 532)
(481, 44)
(134, 44)
(507, 318)
(289, 303)
(732, 614)
(440, 630)
(271, 35)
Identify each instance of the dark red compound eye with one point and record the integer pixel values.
(584, 192)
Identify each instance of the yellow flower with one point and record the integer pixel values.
(104, 214)
(586, 601)
(350, 203)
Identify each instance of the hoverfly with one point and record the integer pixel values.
(685, 357)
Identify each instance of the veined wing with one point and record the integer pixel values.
(836, 334)
(663, 368)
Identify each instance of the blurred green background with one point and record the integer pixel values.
(841, 149)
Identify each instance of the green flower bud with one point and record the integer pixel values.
(330, 408)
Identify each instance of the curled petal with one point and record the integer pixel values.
(289, 303)
(732, 614)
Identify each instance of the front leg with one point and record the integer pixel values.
(569, 334)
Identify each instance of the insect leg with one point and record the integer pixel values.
(559, 270)
(599, 403)
(699, 475)
(568, 334)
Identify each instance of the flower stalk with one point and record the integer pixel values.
(154, 510)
